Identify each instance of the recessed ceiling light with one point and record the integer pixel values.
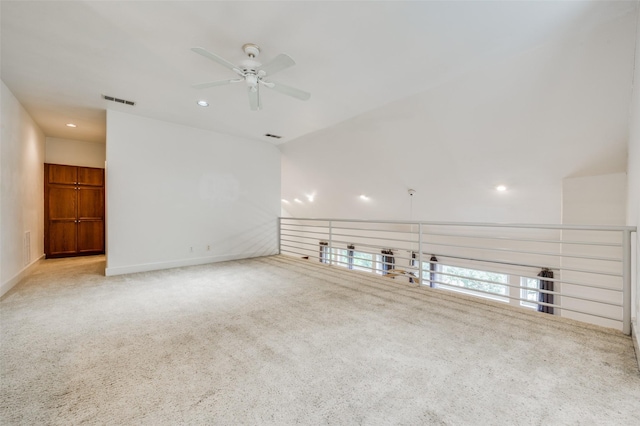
(71, 125)
(203, 103)
(310, 198)
(285, 201)
(297, 200)
(364, 197)
(501, 188)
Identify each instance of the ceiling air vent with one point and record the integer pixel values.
(269, 135)
(120, 101)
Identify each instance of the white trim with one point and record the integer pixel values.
(145, 267)
(24, 273)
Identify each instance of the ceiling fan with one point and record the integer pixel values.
(254, 74)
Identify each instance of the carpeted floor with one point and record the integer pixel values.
(282, 341)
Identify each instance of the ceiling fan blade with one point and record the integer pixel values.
(215, 83)
(254, 98)
(278, 63)
(216, 58)
(288, 90)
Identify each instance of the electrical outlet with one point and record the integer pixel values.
(208, 247)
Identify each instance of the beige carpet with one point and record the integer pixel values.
(283, 341)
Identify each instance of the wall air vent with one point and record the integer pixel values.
(269, 135)
(118, 100)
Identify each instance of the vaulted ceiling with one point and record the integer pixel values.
(60, 57)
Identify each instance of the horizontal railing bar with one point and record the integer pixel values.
(301, 228)
(494, 295)
(457, 236)
(502, 262)
(299, 248)
(307, 232)
(302, 242)
(539, 290)
(302, 225)
(561, 281)
(340, 255)
(374, 230)
(345, 248)
(468, 278)
(589, 243)
(377, 238)
(298, 242)
(370, 246)
(526, 300)
(483, 224)
(315, 239)
(347, 235)
(536, 253)
(299, 236)
(356, 267)
(304, 255)
(466, 289)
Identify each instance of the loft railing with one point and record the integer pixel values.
(574, 271)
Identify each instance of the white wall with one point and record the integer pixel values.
(593, 200)
(21, 196)
(75, 153)
(555, 111)
(633, 186)
(177, 195)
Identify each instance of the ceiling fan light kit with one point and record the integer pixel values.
(254, 74)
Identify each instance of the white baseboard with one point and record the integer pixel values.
(9, 284)
(145, 267)
(636, 341)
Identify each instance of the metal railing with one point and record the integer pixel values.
(574, 271)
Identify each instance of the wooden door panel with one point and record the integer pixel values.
(91, 236)
(74, 210)
(90, 176)
(62, 174)
(90, 203)
(62, 237)
(62, 202)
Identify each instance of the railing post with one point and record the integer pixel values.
(419, 253)
(626, 282)
(330, 242)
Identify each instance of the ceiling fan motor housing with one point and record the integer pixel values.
(249, 65)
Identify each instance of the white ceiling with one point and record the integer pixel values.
(59, 57)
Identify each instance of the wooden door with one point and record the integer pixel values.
(74, 210)
(90, 219)
(90, 176)
(62, 212)
(65, 175)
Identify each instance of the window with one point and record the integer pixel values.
(340, 257)
(324, 252)
(479, 283)
(388, 261)
(429, 276)
(529, 291)
(363, 261)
